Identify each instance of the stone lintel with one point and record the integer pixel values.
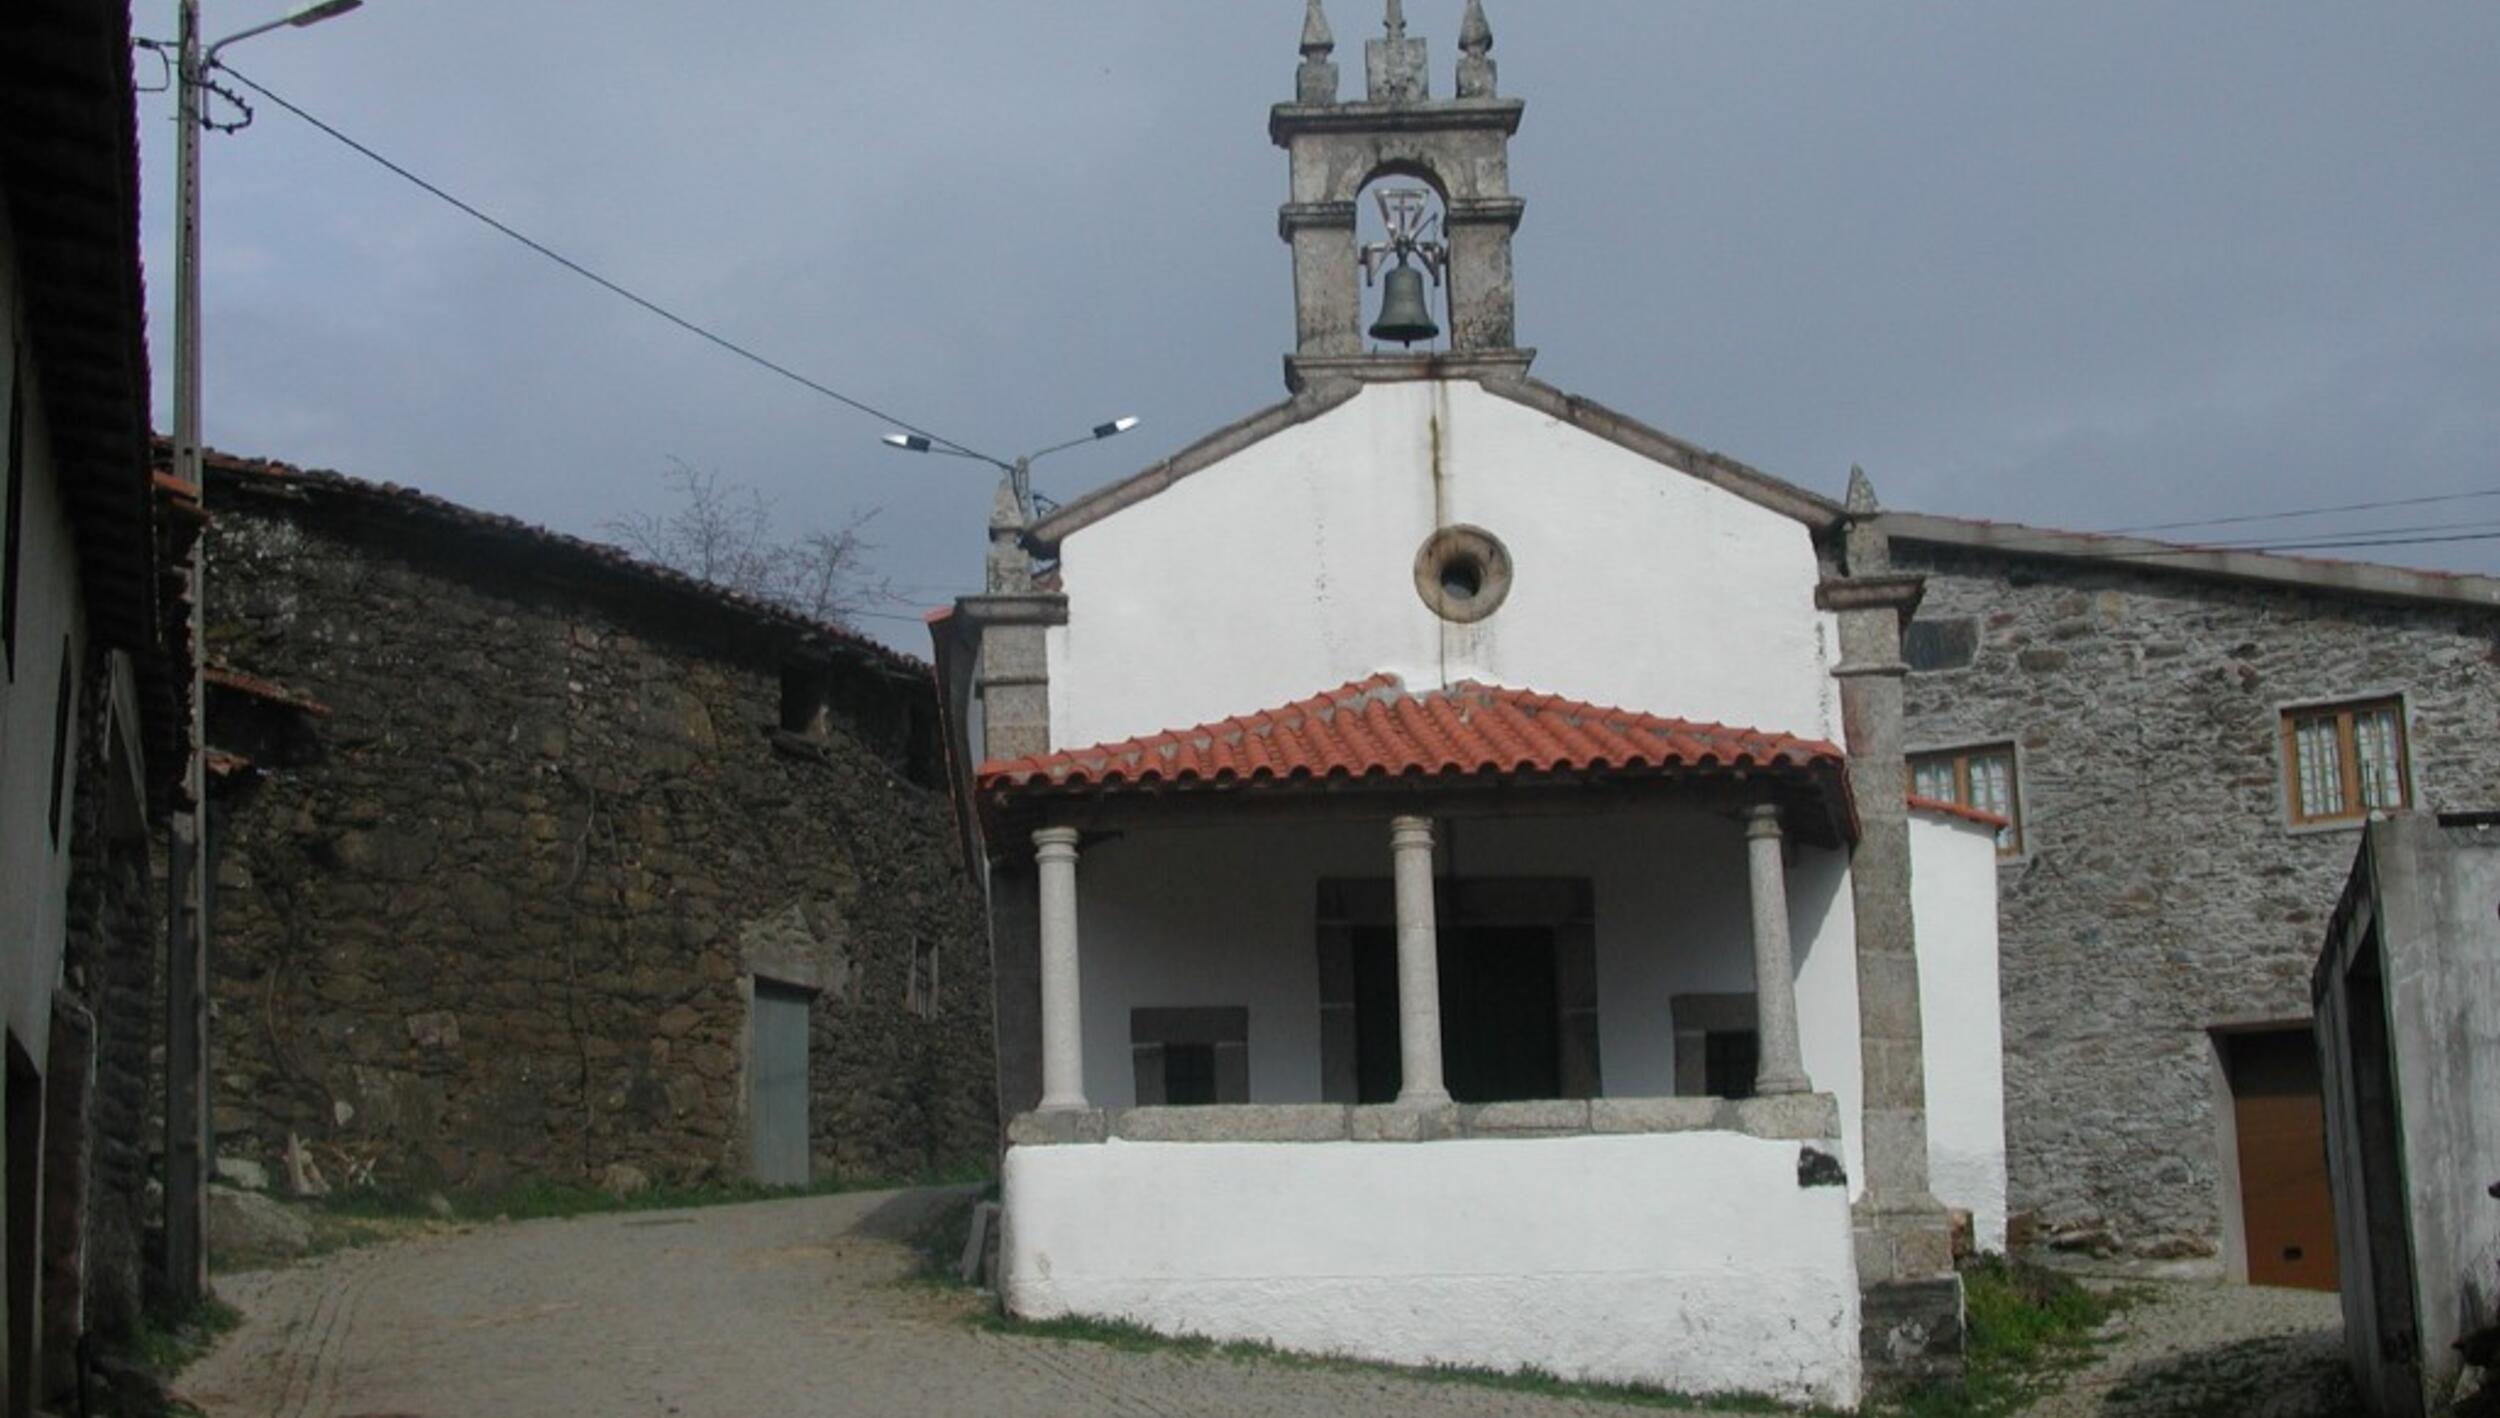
(1480, 365)
(1288, 121)
(1055, 1127)
(1504, 212)
(1019, 608)
(1898, 591)
(1810, 1118)
(1313, 216)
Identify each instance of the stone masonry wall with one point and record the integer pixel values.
(498, 914)
(2161, 892)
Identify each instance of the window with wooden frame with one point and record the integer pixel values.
(2342, 762)
(1980, 777)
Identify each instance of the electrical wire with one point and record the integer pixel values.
(577, 268)
(2303, 512)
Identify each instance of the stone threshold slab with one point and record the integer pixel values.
(1796, 1117)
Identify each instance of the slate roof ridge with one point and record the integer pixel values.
(2328, 575)
(1811, 508)
(442, 512)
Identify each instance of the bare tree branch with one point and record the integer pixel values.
(723, 532)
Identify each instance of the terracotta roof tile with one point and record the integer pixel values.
(228, 677)
(1376, 728)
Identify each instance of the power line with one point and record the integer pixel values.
(577, 268)
(2304, 512)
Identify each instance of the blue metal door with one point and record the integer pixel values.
(777, 1068)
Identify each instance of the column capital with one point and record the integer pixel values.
(1410, 831)
(1057, 843)
(1762, 820)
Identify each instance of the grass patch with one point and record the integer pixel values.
(1131, 1337)
(2028, 1327)
(166, 1343)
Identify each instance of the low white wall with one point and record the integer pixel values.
(1689, 1260)
(1953, 900)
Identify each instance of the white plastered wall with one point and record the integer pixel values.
(1288, 569)
(1694, 1261)
(34, 868)
(1953, 899)
(1227, 916)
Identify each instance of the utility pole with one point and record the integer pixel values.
(186, 858)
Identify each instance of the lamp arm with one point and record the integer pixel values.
(208, 59)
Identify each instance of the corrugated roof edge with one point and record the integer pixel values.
(242, 474)
(2346, 578)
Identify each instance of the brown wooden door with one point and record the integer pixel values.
(2288, 1217)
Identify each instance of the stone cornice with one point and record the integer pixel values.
(1895, 591)
(1287, 121)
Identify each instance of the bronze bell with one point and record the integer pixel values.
(1405, 313)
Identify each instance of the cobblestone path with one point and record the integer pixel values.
(787, 1309)
(2216, 1351)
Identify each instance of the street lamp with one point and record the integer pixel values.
(1019, 472)
(186, 905)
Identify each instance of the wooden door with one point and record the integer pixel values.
(777, 1070)
(2285, 1209)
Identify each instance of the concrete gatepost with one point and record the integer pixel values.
(1912, 1297)
(1419, 966)
(1063, 1036)
(1781, 1067)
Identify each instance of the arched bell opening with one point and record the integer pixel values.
(1402, 239)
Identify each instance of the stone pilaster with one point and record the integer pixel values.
(1913, 1299)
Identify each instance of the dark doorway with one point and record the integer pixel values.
(1500, 1030)
(2285, 1212)
(25, 1166)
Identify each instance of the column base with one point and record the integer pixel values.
(1422, 1098)
(1784, 1084)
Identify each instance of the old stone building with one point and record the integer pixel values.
(2190, 741)
(534, 861)
(91, 726)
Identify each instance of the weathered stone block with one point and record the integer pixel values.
(1622, 1115)
(1544, 1117)
(1243, 1122)
(1058, 1127)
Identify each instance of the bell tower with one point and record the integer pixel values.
(1458, 147)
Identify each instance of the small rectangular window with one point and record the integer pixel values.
(2342, 762)
(14, 533)
(1982, 778)
(1187, 1058)
(1730, 1059)
(920, 995)
(60, 737)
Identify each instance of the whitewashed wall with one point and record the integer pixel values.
(1953, 897)
(1689, 1260)
(34, 869)
(1288, 569)
(1226, 916)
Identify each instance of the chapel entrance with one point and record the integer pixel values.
(2286, 1214)
(1500, 1025)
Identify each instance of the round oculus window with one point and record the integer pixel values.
(1463, 573)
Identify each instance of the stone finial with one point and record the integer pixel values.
(1316, 83)
(1318, 42)
(1394, 64)
(1861, 491)
(1009, 567)
(1475, 48)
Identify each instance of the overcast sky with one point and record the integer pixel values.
(2088, 265)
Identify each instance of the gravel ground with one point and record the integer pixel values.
(805, 1307)
(2215, 1351)
(771, 1310)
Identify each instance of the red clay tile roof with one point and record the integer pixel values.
(1377, 729)
(1970, 814)
(228, 677)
